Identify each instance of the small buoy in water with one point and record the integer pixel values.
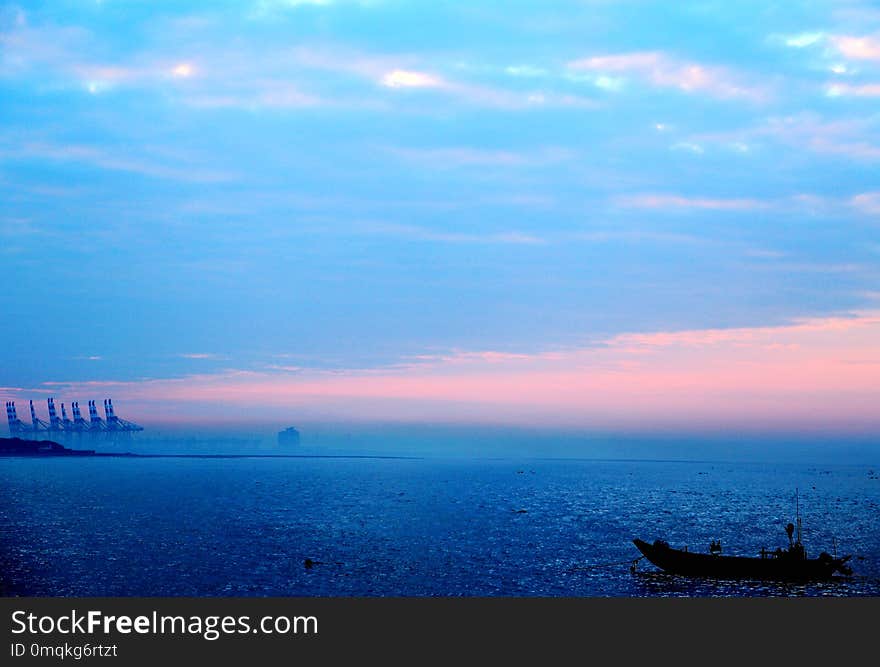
(308, 562)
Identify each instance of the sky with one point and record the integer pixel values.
(634, 216)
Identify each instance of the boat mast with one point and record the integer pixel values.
(797, 510)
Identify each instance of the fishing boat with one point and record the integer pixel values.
(789, 564)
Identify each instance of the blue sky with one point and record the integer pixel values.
(192, 190)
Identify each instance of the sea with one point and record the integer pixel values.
(376, 526)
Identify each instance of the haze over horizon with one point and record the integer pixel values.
(631, 217)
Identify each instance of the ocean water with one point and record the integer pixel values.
(414, 527)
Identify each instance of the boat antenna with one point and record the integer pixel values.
(797, 511)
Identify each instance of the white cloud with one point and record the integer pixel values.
(401, 78)
(608, 82)
(525, 71)
(183, 70)
(267, 7)
(689, 147)
(480, 95)
(804, 39)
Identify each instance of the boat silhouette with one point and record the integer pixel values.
(789, 564)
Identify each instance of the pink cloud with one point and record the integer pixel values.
(418, 233)
(467, 156)
(851, 137)
(814, 373)
(118, 160)
(867, 202)
(675, 201)
(749, 335)
(665, 71)
(846, 89)
(859, 48)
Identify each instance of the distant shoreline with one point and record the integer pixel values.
(27, 449)
(254, 456)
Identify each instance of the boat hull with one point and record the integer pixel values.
(783, 567)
